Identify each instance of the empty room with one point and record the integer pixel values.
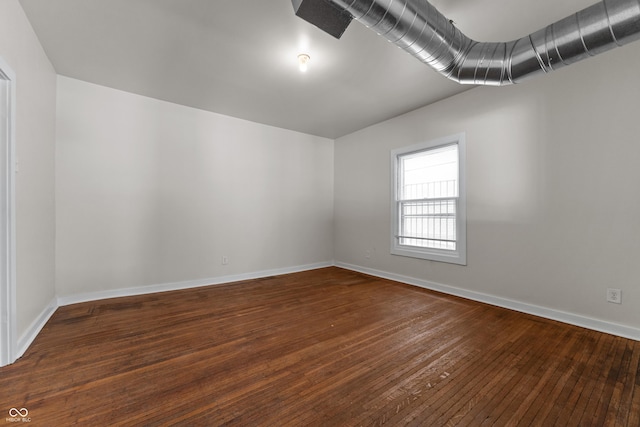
(320, 212)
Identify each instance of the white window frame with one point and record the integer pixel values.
(458, 256)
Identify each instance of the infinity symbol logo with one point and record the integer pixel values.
(22, 412)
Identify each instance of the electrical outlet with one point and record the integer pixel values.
(614, 296)
(225, 260)
(367, 254)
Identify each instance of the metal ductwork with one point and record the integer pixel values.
(419, 28)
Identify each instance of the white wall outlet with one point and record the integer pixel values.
(614, 296)
(225, 260)
(367, 254)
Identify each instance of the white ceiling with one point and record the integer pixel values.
(238, 57)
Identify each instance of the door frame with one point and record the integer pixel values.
(8, 305)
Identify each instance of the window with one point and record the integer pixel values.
(428, 200)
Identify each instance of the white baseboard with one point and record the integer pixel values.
(34, 329)
(561, 316)
(150, 289)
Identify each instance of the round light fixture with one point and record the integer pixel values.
(303, 62)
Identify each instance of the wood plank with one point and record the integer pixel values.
(327, 347)
(599, 401)
(627, 386)
(575, 385)
(588, 384)
(634, 411)
(620, 382)
(463, 391)
(540, 383)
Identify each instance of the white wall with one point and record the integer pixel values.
(35, 145)
(553, 197)
(150, 192)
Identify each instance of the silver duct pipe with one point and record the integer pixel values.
(419, 28)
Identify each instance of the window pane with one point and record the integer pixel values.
(428, 224)
(429, 174)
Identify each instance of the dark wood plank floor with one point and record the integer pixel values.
(322, 348)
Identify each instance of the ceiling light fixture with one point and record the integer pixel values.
(303, 60)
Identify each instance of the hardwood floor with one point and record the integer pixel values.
(326, 347)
